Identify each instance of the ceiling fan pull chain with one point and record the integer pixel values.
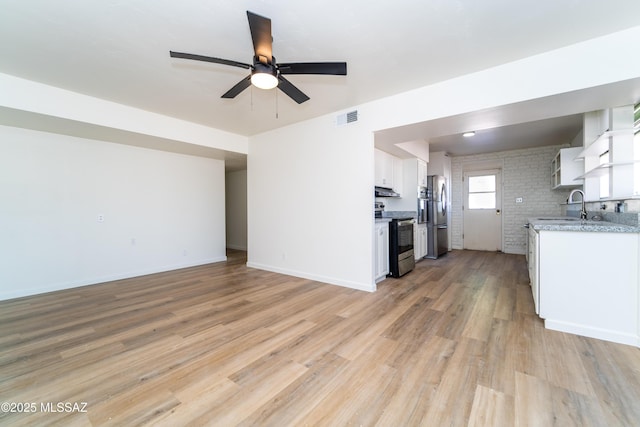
(276, 104)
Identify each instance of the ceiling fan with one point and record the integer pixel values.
(265, 72)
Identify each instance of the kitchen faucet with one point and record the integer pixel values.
(583, 211)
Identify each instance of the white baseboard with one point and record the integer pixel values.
(371, 287)
(591, 332)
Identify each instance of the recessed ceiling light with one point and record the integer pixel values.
(468, 134)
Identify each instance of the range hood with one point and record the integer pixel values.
(385, 192)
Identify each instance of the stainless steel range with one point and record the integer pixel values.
(401, 257)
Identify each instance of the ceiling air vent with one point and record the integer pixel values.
(350, 117)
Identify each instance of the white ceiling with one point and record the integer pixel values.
(555, 131)
(119, 50)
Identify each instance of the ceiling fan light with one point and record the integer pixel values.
(264, 80)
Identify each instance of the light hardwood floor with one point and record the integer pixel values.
(455, 342)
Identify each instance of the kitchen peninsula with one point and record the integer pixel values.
(585, 277)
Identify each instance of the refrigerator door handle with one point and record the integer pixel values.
(443, 197)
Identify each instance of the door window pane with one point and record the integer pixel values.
(482, 183)
(482, 192)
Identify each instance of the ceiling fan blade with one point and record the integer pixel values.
(330, 68)
(208, 59)
(293, 92)
(239, 87)
(260, 28)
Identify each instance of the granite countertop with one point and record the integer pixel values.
(399, 214)
(383, 219)
(576, 224)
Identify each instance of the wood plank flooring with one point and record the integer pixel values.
(455, 342)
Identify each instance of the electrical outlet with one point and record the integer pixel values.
(100, 218)
(518, 199)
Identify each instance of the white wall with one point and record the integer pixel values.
(52, 102)
(310, 184)
(560, 71)
(525, 173)
(236, 209)
(161, 211)
(311, 202)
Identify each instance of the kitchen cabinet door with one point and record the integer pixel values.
(533, 268)
(381, 262)
(422, 173)
(384, 169)
(420, 241)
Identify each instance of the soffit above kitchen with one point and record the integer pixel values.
(119, 51)
(552, 120)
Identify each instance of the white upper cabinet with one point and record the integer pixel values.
(565, 168)
(384, 169)
(415, 174)
(422, 173)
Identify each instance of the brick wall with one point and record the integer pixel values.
(525, 173)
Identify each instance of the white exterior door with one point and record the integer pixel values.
(482, 211)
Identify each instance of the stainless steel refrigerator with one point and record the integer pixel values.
(437, 235)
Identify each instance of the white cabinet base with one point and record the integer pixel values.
(589, 284)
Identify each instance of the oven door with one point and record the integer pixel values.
(405, 235)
